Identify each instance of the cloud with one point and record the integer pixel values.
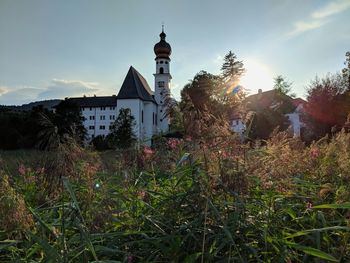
(3, 90)
(302, 26)
(18, 95)
(68, 88)
(319, 17)
(331, 9)
(58, 89)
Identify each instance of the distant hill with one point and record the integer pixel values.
(47, 104)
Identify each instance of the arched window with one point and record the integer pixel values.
(161, 70)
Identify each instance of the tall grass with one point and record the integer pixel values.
(188, 203)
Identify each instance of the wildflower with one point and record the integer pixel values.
(22, 169)
(315, 152)
(173, 143)
(188, 138)
(148, 152)
(141, 194)
(308, 205)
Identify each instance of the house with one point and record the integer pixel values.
(274, 100)
(147, 106)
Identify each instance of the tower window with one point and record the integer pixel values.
(161, 62)
(161, 84)
(161, 70)
(166, 62)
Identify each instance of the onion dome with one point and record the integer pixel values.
(162, 49)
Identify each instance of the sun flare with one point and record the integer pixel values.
(257, 76)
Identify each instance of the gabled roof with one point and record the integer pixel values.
(135, 87)
(272, 99)
(103, 101)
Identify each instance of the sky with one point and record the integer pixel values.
(56, 49)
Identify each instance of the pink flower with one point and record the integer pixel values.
(141, 194)
(308, 205)
(173, 143)
(188, 138)
(315, 152)
(148, 152)
(22, 169)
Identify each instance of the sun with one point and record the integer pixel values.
(257, 76)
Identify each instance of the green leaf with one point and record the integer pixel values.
(51, 252)
(334, 206)
(42, 223)
(312, 251)
(68, 186)
(305, 232)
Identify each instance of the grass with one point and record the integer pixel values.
(180, 205)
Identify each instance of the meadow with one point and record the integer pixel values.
(180, 201)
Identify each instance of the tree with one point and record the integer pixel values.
(232, 69)
(283, 86)
(261, 124)
(122, 134)
(69, 120)
(328, 105)
(346, 71)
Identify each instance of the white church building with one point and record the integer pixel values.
(147, 106)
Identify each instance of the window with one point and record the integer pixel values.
(156, 119)
(161, 84)
(91, 127)
(102, 127)
(142, 116)
(90, 108)
(82, 108)
(102, 117)
(161, 71)
(103, 108)
(92, 118)
(153, 118)
(161, 102)
(112, 117)
(161, 62)
(166, 62)
(161, 110)
(111, 108)
(92, 136)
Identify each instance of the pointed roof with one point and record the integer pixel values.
(135, 87)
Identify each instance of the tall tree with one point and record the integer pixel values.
(69, 120)
(232, 69)
(328, 105)
(122, 132)
(283, 86)
(346, 71)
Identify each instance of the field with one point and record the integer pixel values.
(181, 201)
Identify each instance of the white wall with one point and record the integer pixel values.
(136, 110)
(109, 113)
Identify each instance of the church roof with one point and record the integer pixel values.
(103, 101)
(135, 87)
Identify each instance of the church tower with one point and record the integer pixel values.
(162, 79)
